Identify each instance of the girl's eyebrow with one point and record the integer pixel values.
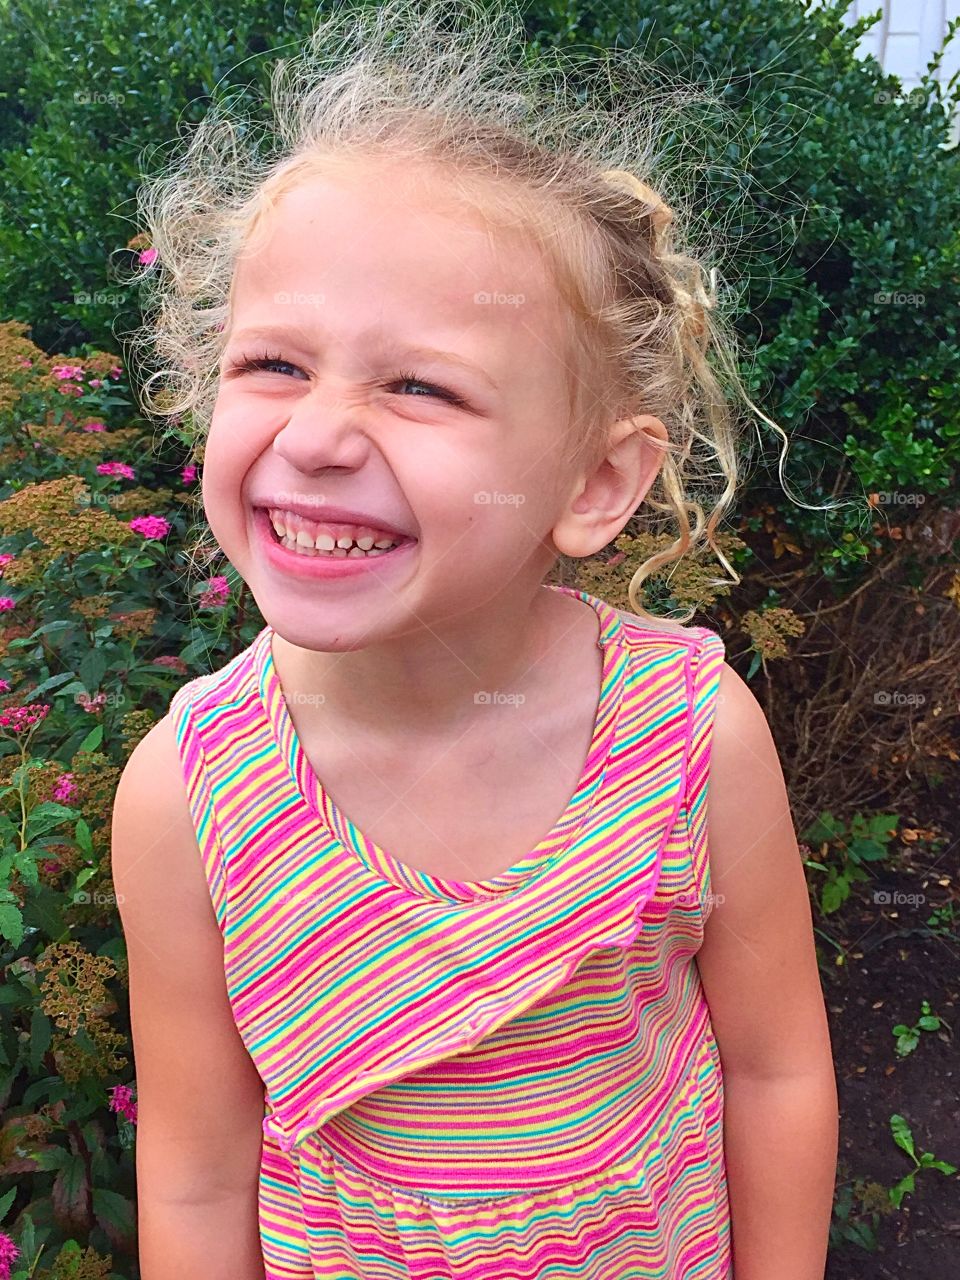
(388, 343)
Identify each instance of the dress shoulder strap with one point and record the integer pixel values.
(706, 665)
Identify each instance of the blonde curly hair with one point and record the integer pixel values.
(439, 83)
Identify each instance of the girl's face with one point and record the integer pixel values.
(350, 280)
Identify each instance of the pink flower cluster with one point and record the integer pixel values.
(171, 660)
(7, 602)
(150, 526)
(94, 426)
(8, 1253)
(216, 594)
(122, 1101)
(71, 375)
(20, 718)
(189, 473)
(116, 469)
(65, 788)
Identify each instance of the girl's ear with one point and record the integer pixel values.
(601, 503)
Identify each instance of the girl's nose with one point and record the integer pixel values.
(320, 433)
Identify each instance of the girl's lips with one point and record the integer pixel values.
(320, 566)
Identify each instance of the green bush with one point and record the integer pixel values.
(829, 192)
(840, 203)
(98, 629)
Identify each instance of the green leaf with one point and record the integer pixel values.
(92, 669)
(83, 837)
(6, 1201)
(835, 892)
(900, 1190)
(115, 1213)
(92, 740)
(901, 1134)
(46, 817)
(11, 923)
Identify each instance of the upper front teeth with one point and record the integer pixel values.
(289, 526)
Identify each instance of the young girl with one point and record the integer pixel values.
(467, 930)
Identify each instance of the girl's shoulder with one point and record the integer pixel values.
(231, 681)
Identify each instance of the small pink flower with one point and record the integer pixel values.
(4, 686)
(8, 1253)
(67, 371)
(7, 602)
(171, 660)
(70, 389)
(148, 257)
(115, 372)
(25, 717)
(215, 596)
(94, 426)
(50, 867)
(150, 526)
(122, 1101)
(65, 788)
(116, 469)
(95, 382)
(189, 473)
(91, 704)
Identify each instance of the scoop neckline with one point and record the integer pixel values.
(386, 869)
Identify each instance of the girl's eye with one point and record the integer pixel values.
(267, 362)
(439, 392)
(245, 365)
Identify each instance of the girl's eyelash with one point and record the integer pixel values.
(245, 364)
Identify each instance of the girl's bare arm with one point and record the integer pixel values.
(200, 1100)
(759, 973)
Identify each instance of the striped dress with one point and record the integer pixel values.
(490, 1080)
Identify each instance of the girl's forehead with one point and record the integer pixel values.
(402, 196)
(410, 234)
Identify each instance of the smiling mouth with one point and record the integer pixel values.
(364, 545)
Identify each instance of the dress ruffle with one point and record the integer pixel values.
(469, 973)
